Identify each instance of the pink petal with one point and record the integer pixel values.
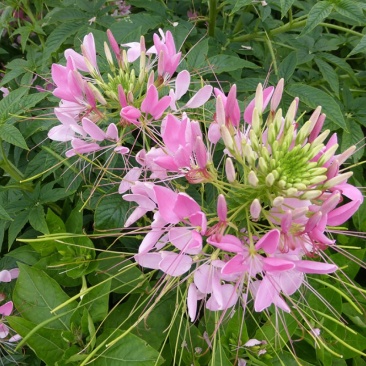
(5, 276)
(307, 266)
(4, 331)
(269, 242)
(129, 179)
(200, 98)
(188, 241)
(235, 265)
(185, 206)
(341, 214)
(192, 299)
(175, 264)
(182, 82)
(112, 132)
(203, 278)
(273, 264)
(248, 113)
(7, 308)
(228, 242)
(148, 260)
(93, 130)
(166, 199)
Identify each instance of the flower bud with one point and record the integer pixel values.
(226, 137)
(278, 201)
(270, 179)
(253, 179)
(339, 179)
(255, 209)
(230, 170)
(309, 195)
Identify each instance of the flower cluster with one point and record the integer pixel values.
(268, 187)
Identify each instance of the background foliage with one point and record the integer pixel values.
(318, 47)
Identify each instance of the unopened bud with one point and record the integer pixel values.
(278, 201)
(303, 133)
(226, 137)
(109, 57)
(255, 209)
(346, 154)
(291, 192)
(256, 124)
(220, 111)
(262, 165)
(291, 113)
(320, 139)
(300, 186)
(328, 154)
(310, 195)
(259, 98)
(317, 180)
(230, 170)
(270, 179)
(97, 94)
(331, 203)
(339, 179)
(253, 179)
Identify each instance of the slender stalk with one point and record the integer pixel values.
(212, 17)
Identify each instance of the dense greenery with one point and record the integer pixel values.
(61, 219)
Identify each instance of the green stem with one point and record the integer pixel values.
(212, 17)
(342, 29)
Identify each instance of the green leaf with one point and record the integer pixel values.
(339, 62)
(125, 275)
(314, 97)
(40, 163)
(111, 212)
(225, 63)
(144, 20)
(350, 9)
(239, 4)
(59, 35)
(285, 6)
(37, 219)
(219, 357)
(288, 66)
(47, 344)
(4, 215)
(196, 57)
(316, 15)
(152, 329)
(36, 295)
(12, 135)
(360, 47)
(11, 103)
(97, 301)
(329, 75)
(17, 225)
(130, 350)
(353, 138)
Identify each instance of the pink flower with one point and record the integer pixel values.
(152, 105)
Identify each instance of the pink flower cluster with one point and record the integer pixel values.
(278, 186)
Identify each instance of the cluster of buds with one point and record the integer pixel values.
(278, 185)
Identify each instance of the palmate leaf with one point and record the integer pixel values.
(316, 15)
(59, 35)
(329, 75)
(360, 47)
(36, 295)
(314, 97)
(285, 6)
(350, 9)
(48, 344)
(12, 135)
(130, 350)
